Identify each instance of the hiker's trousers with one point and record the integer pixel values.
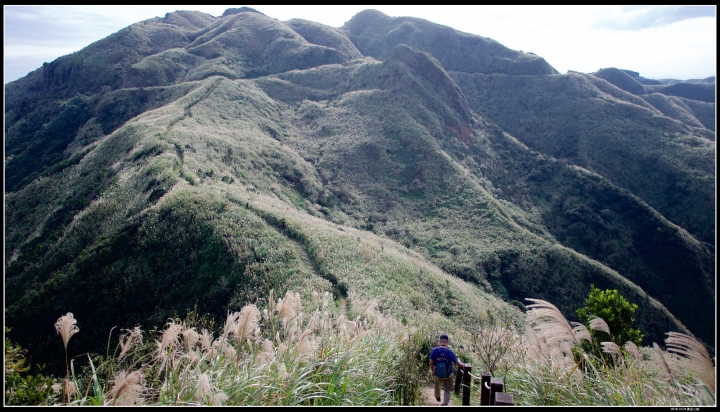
(447, 384)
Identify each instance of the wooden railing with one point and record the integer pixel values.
(492, 390)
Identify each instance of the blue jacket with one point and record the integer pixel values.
(443, 352)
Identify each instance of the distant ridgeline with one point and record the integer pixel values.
(182, 161)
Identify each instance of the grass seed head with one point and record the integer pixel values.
(127, 389)
(632, 349)
(66, 327)
(695, 358)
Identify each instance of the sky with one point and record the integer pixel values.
(659, 42)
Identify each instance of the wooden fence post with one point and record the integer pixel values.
(496, 385)
(467, 381)
(485, 389)
(458, 381)
(502, 398)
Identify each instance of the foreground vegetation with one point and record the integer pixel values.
(222, 158)
(301, 352)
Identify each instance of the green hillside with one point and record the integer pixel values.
(194, 161)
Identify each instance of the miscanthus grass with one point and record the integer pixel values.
(555, 371)
(288, 353)
(295, 352)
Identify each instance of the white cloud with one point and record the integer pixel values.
(19, 51)
(642, 17)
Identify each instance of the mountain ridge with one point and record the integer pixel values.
(189, 176)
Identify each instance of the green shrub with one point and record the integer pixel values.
(22, 388)
(618, 314)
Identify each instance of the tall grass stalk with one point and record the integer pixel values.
(298, 353)
(639, 377)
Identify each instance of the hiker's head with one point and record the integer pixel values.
(444, 340)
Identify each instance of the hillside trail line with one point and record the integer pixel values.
(342, 307)
(427, 395)
(303, 256)
(341, 302)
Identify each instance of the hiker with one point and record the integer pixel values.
(441, 361)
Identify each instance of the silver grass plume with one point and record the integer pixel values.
(169, 340)
(282, 371)
(326, 322)
(127, 389)
(348, 329)
(314, 320)
(247, 322)
(213, 352)
(192, 357)
(696, 358)
(292, 334)
(581, 332)
(632, 349)
(66, 327)
(170, 336)
(229, 352)
(532, 343)
(267, 346)
(300, 318)
(544, 347)
(289, 306)
(661, 360)
(296, 301)
(556, 327)
(285, 310)
(133, 338)
(598, 323)
(267, 351)
(205, 391)
(230, 323)
(206, 339)
(305, 346)
(551, 324)
(190, 336)
(612, 348)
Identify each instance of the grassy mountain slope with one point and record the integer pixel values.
(123, 260)
(192, 177)
(597, 126)
(415, 172)
(620, 79)
(376, 34)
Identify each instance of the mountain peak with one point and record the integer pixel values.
(376, 34)
(621, 79)
(231, 11)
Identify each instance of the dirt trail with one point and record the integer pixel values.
(342, 303)
(303, 255)
(427, 397)
(342, 307)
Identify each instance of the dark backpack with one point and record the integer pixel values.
(443, 366)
